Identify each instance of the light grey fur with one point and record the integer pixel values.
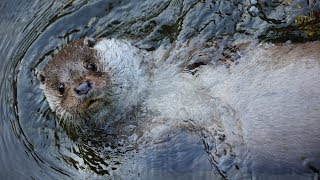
(267, 106)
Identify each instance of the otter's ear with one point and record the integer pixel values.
(41, 77)
(90, 42)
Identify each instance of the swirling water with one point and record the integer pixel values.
(33, 146)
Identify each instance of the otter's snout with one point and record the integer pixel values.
(83, 88)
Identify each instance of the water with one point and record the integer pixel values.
(32, 143)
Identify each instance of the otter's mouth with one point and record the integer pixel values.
(90, 103)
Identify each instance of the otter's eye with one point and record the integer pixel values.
(42, 78)
(91, 67)
(61, 88)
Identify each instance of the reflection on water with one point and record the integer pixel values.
(33, 145)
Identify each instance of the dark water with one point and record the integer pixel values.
(33, 146)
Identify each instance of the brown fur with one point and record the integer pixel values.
(69, 68)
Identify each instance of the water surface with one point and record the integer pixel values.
(34, 146)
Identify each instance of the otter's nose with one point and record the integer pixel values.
(83, 88)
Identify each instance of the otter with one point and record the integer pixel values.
(265, 108)
(83, 79)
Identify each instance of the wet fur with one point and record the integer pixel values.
(267, 106)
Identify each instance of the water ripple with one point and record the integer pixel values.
(34, 146)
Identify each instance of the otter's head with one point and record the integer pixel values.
(74, 82)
